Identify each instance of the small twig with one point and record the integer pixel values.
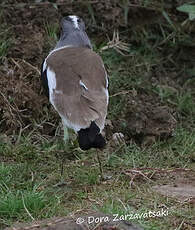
(121, 93)
(32, 177)
(131, 181)
(16, 63)
(38, 4)
(33, 67)
(179, 227)
(116, 44)
(122, 204)
(100, 164)
(10, 107)
(142, 174)
(20, 134)
(94, 201)
(62, 168)
(133, 173)
(27, 209)
(25, 62)
(161, 170)
(95, 227)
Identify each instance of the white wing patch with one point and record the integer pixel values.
(82, 84)
(107, 95)
(58, 92)
(51, 78)
(75, 21)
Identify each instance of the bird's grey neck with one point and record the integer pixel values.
(75, 39)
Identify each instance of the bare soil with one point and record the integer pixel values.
(22, 99)
(99, 222)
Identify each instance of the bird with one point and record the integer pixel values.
(76, 83)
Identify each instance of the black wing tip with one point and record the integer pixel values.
(91, 138)
(44, 81)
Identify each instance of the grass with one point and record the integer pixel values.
(19, 199)
(39, 179)
(4, 45)
(186, 104)
(51, 31)
(32, 186)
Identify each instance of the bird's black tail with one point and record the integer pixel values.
(91, 137)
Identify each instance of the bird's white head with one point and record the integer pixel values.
(73, 32)
(73, 22)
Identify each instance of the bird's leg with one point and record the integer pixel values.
(100, 164)
(66, 137)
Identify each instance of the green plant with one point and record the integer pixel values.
(51, 30)
(189, 9)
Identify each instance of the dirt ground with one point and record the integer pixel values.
(22, 100)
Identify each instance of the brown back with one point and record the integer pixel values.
(78, 105)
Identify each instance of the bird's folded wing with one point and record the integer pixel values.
(80, 94)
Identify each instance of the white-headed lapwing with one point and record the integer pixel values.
(76, 83)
